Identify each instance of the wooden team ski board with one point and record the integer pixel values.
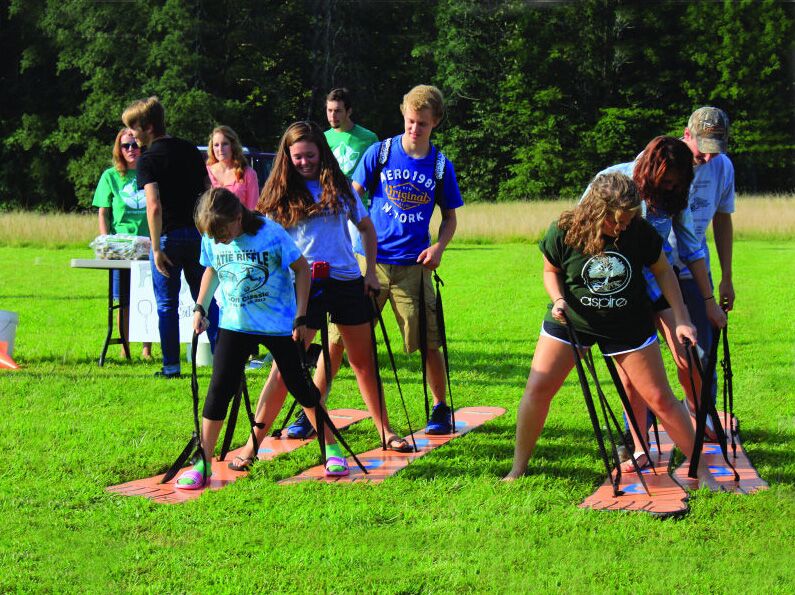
(667, 498)
(270, 448)
(381, 464)
(750, 481)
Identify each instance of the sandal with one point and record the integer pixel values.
(336, 462)
(244, 465)
(397, 444)
(195, 477)
(642, 460)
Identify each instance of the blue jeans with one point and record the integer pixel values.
(182, 246)
(698, 315)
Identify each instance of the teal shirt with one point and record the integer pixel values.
(120, 193)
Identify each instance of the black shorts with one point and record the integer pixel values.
(607, 346)
(345, 302)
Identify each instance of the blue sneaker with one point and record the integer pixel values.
(441, 421)
(301, 428)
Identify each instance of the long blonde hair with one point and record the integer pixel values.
(609, 195)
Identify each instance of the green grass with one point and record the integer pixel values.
(444, 524)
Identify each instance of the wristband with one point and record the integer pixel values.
(300, 321)
(556, 300)
(712, 297)
(200, 309)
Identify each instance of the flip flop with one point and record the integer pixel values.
(336, 462)
(398, 444)
(193, 475)
(246, 463)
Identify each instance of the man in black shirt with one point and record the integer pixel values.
(173, 175)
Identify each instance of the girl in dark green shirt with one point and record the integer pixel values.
(593, 261)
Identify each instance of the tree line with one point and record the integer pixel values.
(541, 94)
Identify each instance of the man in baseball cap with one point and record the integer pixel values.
(711, 199)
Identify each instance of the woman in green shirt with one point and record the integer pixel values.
(593, 272)
(122, 209)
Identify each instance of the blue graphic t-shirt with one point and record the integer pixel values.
(256, 287)
(403, 202)
(712, 191)
(325, 237)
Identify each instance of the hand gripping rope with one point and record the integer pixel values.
(194, 446)
(378, 380)
(704, 406)
(424, 343)
(607, 413)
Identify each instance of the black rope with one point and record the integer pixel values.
(443, 337)
(704, 406)
(194, 445)
(380, 319)
(728, 388)
(424, 344)
(589, 403)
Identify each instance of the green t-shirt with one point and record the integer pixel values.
(606, 294)
(349, 147)
(128, 204)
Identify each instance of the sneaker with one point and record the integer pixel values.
(441, 421)
(167, 375)
(301, 428)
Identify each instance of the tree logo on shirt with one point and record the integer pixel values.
(607, 273)
(242, 280)
(132, 197)
(346, 157)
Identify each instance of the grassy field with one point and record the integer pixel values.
(768, 216)
(445, 524)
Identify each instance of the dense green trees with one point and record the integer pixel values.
(541, 95)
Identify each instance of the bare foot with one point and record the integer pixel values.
(512, 476)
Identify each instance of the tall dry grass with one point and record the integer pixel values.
(756, 215)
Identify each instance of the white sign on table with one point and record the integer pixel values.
(143, 308)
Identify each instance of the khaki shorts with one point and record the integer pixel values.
(400, 284)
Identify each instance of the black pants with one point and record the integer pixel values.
(232, 350)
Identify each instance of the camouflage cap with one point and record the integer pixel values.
(710, 127)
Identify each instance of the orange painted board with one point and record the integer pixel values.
(382, 464)
(667, 497)
(269, 448)
(750, 481)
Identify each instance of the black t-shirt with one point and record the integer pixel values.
(606, 294)
(181, 176)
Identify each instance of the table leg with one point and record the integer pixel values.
(110, 319)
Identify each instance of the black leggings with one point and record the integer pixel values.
(232, 350)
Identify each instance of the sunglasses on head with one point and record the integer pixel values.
(129, 146)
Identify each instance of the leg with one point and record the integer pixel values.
(552, 362)
(641, 413)
(698, 315)
(665, 322)
(645, 368)
(166, 291)
(360, 355)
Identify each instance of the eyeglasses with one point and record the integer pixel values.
(129, 146)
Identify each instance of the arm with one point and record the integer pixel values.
(154, 216)
(104, 220)
(359, 189)
(723, 230)
(698, 268)
(553, 283)
(370, 245)
(302, 282)
(666, 279)
(252, 189)
(206, 290)
(431, 257)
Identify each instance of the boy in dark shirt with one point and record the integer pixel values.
(172, 174)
